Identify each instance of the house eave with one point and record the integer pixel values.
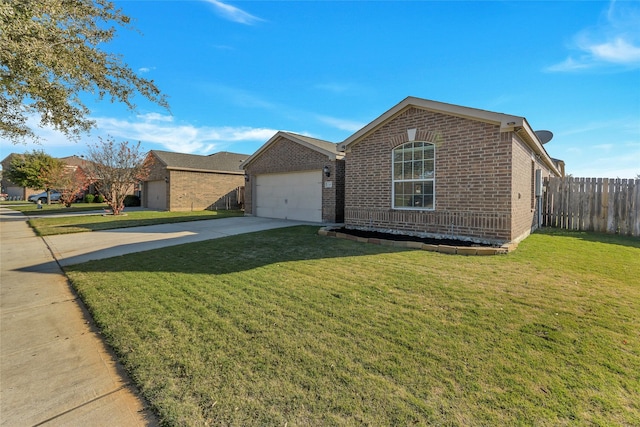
(524, 131)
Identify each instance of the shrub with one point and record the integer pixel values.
(99, 198)
(88, 198)
(131, 200)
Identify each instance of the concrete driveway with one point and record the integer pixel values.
(77, 248)
(55, 370)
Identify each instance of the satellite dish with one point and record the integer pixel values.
(544, 136)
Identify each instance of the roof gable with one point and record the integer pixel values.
(219, 162)
(327, 148)
(507, 123)
(504, 120)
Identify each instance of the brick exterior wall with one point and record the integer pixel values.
(191, 190)
(284, 156)
(525, 203)
(203, 190)
(473, 168)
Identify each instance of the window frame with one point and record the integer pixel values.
(421, 181)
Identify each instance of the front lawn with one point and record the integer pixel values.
(80, 223)
(286, 327)
(29, 208)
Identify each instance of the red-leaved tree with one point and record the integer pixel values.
(71, 184)
(114, 168)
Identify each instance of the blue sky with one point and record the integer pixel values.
(236, 72)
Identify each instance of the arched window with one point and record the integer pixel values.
(413, 176)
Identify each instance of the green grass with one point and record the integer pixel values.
(286, 327)
(29, 208)
(78, 224)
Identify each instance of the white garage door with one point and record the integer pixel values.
(295, 196)
(157, 195)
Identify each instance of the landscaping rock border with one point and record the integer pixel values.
(445, 249)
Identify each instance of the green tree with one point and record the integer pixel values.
(114, 168)
(35, 170)
(50, 53)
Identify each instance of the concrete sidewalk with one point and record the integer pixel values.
(55, 369)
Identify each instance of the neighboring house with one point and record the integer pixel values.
(185, 182)
(17, 192)
(12, 190)
(295, 177)
(76, 162)
(423, 167)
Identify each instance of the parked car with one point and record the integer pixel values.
(55, 197)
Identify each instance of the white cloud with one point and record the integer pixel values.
(615, 42)
(184, 138)
(342, 124)
(155, 117)
(232, 13)
(334, 87)
(618, 51)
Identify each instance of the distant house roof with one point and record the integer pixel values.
(325, 147)
(223, 161)
(74, 161)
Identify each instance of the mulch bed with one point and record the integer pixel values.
(406, 238)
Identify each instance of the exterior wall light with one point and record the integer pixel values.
(327, 171)
(246, 177)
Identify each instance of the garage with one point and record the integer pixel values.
(296, 196)
(295, 177)
(157, 195)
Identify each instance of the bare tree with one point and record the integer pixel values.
(114, 168)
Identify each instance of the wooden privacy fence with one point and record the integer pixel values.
(592, 204)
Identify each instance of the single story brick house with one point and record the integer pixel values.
(424, 168)
(16, 192)
(11, 189)
(442, 170)
(185, 182)
(295, 177)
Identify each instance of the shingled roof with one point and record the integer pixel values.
(223, 161)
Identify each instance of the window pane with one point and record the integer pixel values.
(397, 170)
(400, 198)
(406, 173)
(428, 152)
(417, 170)
(428, 168)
